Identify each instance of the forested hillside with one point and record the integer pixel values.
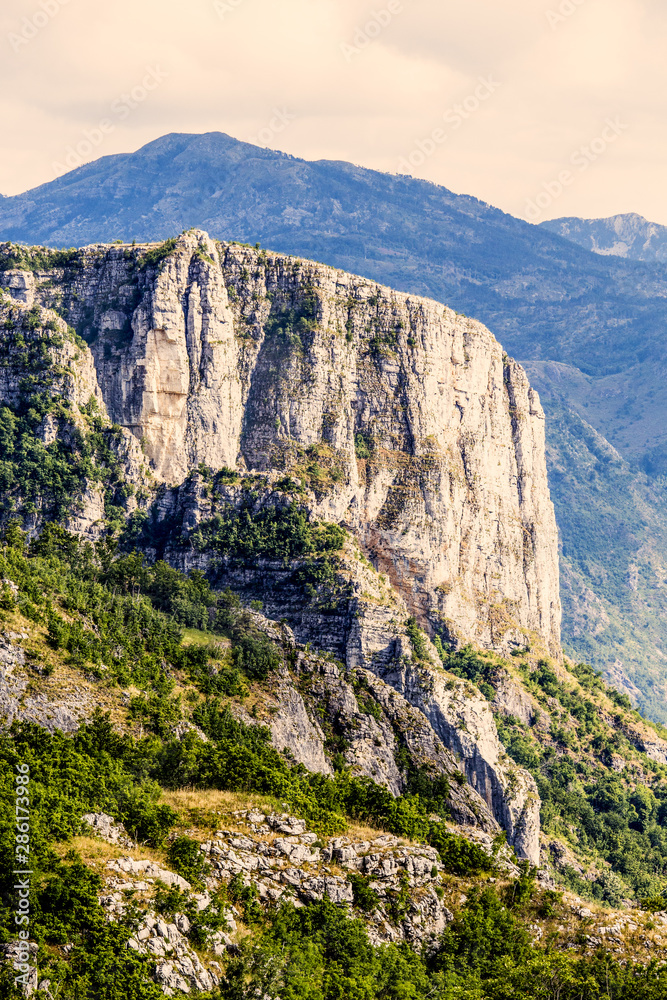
(121, 634)
(297, 726)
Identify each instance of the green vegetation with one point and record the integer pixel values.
(382, 343)
(365, 898)
(39, 476)
(248, 533)
(362, 447)
(600, 498)
(317, 953)
(418, 640)
(112, 623)
(620, 818)
(13, 256)
(185, 858)
(52, 478)
(122, 620)
(470, 666)
(319, 467)
(291, 325)
(284, 533)
(157, 255)
(101, 607)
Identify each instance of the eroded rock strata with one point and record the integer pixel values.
(401, 421)
(228, 356)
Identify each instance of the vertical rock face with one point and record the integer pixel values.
(406, 424)
(427, 441)
(463, 721)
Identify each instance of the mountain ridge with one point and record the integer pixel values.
(545, 298)
(185, 344)
(630, 236)
(258, 733)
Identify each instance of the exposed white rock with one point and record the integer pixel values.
(462, 718)
(292, 728)
(64, 713)
(150, 870)
(511, 699)
(451, 501)
(106, 827)
(454, 503)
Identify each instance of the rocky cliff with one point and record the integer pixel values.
(241, 383)
(418, 433)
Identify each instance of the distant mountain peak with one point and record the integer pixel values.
(628, 235)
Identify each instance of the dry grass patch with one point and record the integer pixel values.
(215, 800)
(360, 831)
(96, 853)
(207, 810)
(194, 637)
(55, 679)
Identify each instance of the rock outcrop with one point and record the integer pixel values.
(105, 826)
(379, 729)
(64, 711)
(396, 418)
(462, 719)
(433, 439)
(285, 862)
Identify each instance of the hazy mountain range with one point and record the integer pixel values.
(631, 236)
(588, 326)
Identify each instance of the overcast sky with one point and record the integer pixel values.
(541, 107)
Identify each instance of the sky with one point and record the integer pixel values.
(544, 108)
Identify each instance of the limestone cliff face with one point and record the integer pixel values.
(236, 357)
(404, 422)
(463, 721)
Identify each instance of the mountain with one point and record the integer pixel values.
(594, 324)
(303, 395)
(630, 236)
(280, 672)
(612, 556)
(283, 708)
(425, 439)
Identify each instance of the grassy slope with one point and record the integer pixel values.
(613, 529)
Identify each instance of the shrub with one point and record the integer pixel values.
(459, 856)
(417, 639)
(361, 447)
(272, 532)
(156, 255)
(365, 898)
(185, 857)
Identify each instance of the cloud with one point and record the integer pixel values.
(365, 82)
